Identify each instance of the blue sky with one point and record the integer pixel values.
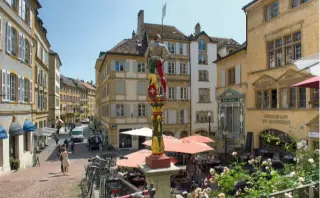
(79, 29)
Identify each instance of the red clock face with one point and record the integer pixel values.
(152, 91)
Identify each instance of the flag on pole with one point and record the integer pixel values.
(164, 10)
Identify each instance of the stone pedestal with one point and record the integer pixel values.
(160, 178)
(158, 161)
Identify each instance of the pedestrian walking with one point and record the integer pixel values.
(60, 158)
(73, 145)
(59, 150)
(56, 138)
(65, 161)
(66, 142)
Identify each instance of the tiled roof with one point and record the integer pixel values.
(55, 53)
(88, 86)
(134, 46)
(78, 83)
(241, 47)
(249, 4)
(66, 81)
(169, 32)
(224, 41)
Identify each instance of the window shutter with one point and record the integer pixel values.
(24, 53)
(184, 49)
(177, 48)
(22, 89)
(8, 43)
(172, 118)
(127, 66)
(149, 110)
(135, 110)
(178, 92)
(113, 65)
(0, 33)
(30, 90)
(20, 46)
(31, 19)
(186, 116)
(178, 67)
(188, 68)
(189, 93)
(127, 110)
(223, 77)
(30, 51)
(4, 85)
(113, 110)
(23, 10)
(19, 88)
(166, 67)
(238, 74)
(20, 8)
(8, 96)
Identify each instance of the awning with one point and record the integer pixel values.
(309, 63)
(28, 126)
(309, 83)
(3, 133)
(146, 132)
(15, 129)
(45, 131)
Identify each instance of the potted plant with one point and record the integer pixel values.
(14, 163)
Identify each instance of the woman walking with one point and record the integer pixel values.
(65, 161)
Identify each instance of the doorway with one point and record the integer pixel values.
(141, 139)
(125, 141)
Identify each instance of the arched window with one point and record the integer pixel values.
(202, 44)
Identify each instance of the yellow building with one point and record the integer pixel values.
(91, 99)
(122, 85)
(258, 76)
(41, 74)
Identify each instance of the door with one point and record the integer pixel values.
(141, 139)
(125, 141)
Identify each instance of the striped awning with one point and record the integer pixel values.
(28, 126)
(15, 129)
(3, 133)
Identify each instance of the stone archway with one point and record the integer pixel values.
(168, 133)
(201, 132)
(183, 134)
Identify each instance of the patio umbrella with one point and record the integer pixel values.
(309, 63)
(172, 144)
(15, 129)
(309, 83)
(146, 132)
(28, 126)
(137, 158)
(3, 133)
(198, 138)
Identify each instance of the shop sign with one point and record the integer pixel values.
(276, 119)
(313, 135)
(230, 100)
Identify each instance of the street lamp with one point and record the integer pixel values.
(209, 115)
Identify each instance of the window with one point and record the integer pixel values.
(171, 68)
(120, 87)
(183, 93)
(284, 97)
(203, 75)
(181, 48)
(232, 76)
(172, 93)
(202, 59)
(11, 40)
(272, 10)
(30, 92)
(201, 44)
(119, 110)
(291, 50)
(141, 110)
(314, 98)
(202, 116)
(171, 47)
(119, 66)
(296, 3)
(259, 99)
(141, 68)
(204, 95)
(274, 98)
(13, 86)
(292, 97)
(266, 99)
(160, 90)
(183, 68)
(181, 116)
(302, 98)
(25, 90)
(57, 90)
(26, 51)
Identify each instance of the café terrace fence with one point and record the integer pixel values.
(304, 191)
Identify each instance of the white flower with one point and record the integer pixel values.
(267, 167)
(298, 160)
(221, 195)
(269, 160)
(208, 190)
(234, 153)
(311, 161)
(250, 161)
(212, 171)
(300, 145)
(264, 163)
(306, 148)
(294, 159)
(287, 195)
(225, 169)
(301, 179)
(292, 174)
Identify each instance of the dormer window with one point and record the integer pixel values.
(230, 51)
(202, 44)
(272, 10)
(139, 44)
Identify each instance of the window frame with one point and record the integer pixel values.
(183, 93)
(273, 14)
(203, 75)
(181, 116)
(119, 110)
(172, 93)
(119, 65)
(202, 45)
(202, 62)
(183, 67)
(299, 3)
(142, 110)
(180, 48)
(171, 47)
(231, 81)
(141, 68)
(171, 67)
(202, 90)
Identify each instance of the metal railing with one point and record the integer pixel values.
(304, 191)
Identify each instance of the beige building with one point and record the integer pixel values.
(255, 83)
(91, 99)
(122, 86)
(41, 73)
(54, 88)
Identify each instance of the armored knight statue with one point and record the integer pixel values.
(156, 54)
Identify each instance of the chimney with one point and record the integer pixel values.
(140, 21)
(133, 34)
(197, 29)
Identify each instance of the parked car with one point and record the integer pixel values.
(95, 142)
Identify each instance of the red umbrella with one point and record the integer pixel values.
(309, 83)
(172, 144)
(198, 138)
